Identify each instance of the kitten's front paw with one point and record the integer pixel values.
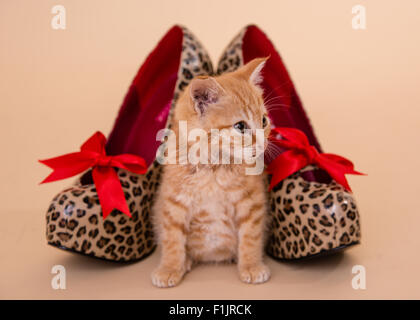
(254, 274)
(165, 278)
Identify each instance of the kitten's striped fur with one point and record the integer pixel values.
(212, 213)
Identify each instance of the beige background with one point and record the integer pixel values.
(360, 88)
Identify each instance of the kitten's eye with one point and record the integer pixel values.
(241, 126)
(264, 121)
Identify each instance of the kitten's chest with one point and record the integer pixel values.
(216, 193)
(212, 231)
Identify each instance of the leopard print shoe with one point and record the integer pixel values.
(310, 214)
(74, 218)
(310, 218)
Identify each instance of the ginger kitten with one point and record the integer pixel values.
(215, 212)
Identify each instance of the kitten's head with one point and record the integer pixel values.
(232, 103)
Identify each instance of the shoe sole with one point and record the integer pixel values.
(91, 255)
(323, 253)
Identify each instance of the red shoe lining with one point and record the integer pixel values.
(146, 106)
(279, 88)
(277, 84)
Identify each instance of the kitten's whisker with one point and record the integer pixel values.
(278, 104)
(277, 98)
(278, 107)
(279, 86)
(272, 151)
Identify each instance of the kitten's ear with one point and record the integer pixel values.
(252, 70)
(204, 91)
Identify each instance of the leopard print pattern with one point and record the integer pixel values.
(75, 222)
(74, 217)
(306, 218)
(231, 58)
(309, 218)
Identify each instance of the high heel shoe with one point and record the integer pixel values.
(310, 214)
(74, 218)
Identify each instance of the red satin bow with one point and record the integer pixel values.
(300, 154)
(92, 155)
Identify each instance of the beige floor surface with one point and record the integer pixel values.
(360, 88)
